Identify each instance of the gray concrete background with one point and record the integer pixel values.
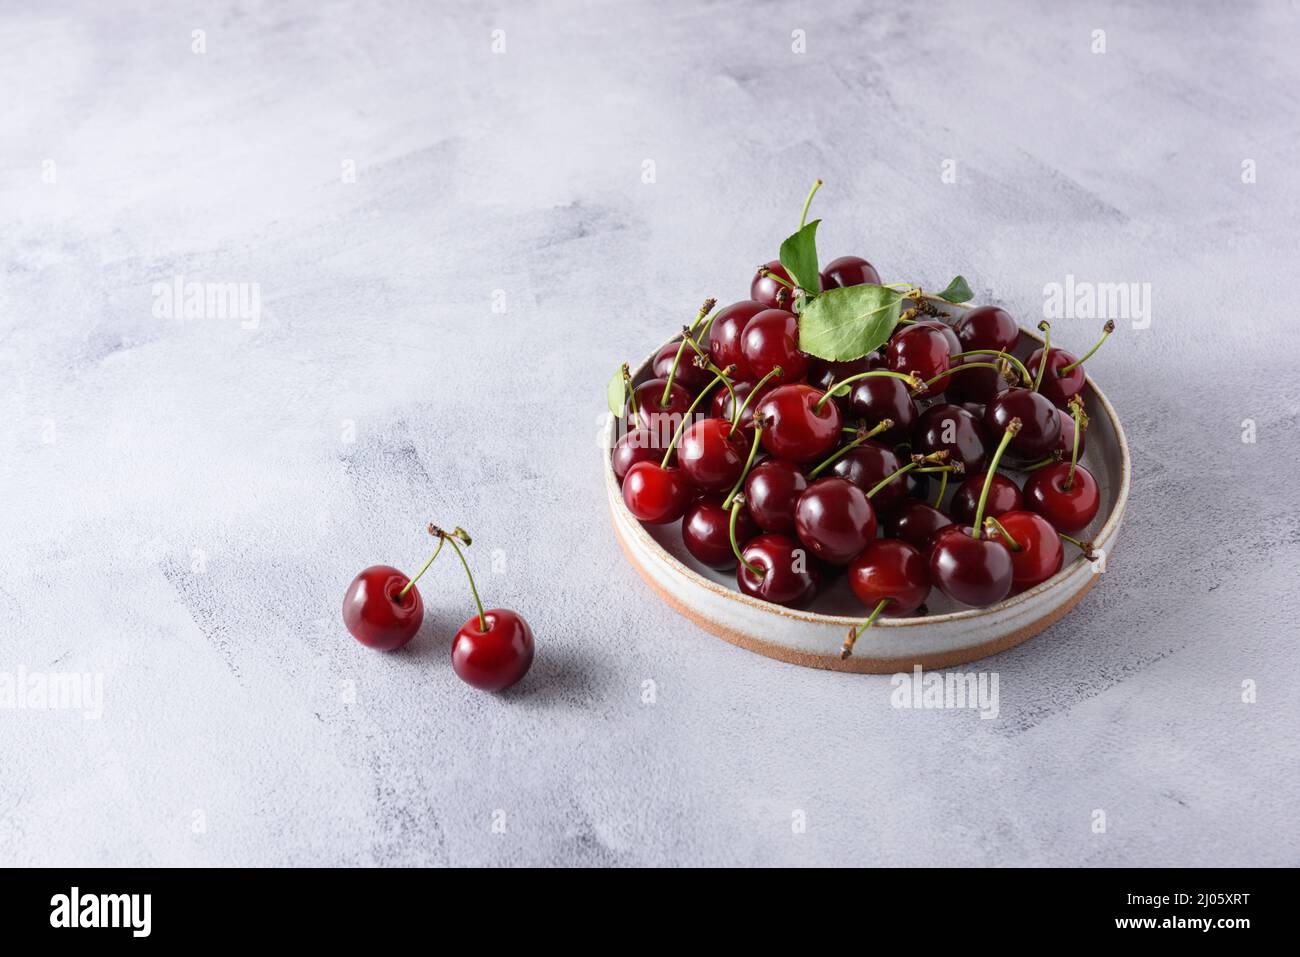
(184, 501)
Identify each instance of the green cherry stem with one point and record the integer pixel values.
(627, 388)
(686, 334)
(1106, 330)
(1080, 423)
(1041, 463)
(681, 426)
(736, 506)
(1012, 428)
(846, 649)
(1085, 547)
(411, 584)
(739, 413)
(943, 487)
(1004, 355)
(883, 426)
(1045, 328)
(708, 364)
(917, 462)
(803, 218)
(835, 388)
(768, 274)
(482, 620)
(991, 524)
(749, 463)
(953, 371)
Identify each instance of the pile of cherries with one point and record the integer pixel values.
(857, 457)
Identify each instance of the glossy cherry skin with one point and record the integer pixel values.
(373, 613)
(1004, 496)
(707, 535)
(771, 341)
(790, 575)
(945, 330)
(721, 404)
(636, 445)
(771, 492)
(1065, 444)
(1058, 388)
(916, 523)
(849, 271)
(867, 465)
(726, 332)
(890, 570)
(1068, 509)
(973, 571)
(923, 351)
(1039, 425)
(495, 659)
(796, 430)
(652, 414)
(711, 455)
(988, 327)
(880, 397)
(1040, 553)
(951, 427)
(835, 519)
(976, 385)
(766, 290)
(656, 495)
(689, 376)
(823, 372)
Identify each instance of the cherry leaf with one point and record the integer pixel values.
(958, 291)
(848, 322)
(799, 257)
(616, 394)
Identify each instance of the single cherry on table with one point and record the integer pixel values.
(382, 608)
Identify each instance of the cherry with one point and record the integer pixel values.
(722, 405)
(866, 466)
(1070, 503)
(973, 571)
(771, 341)
(1063, 376)
(652, 412)
(975, 385)
(776, 568)
(766, 289)
(712, 455)
(916, 523)
(725, 332)
(636, 445)
(706, 531)
(1035, 547)
(1065, 444)
(655, 494)
(951, 427)
(823, 373)
(835, 519)
(924, 352)
(772, 489)
(689, 376)
(1040, 426)
(877, 398)
(1004, 496)
(889, 576)
(849, 271)
(945, 330)
(802, 424)
(380, 610)
(988, 327)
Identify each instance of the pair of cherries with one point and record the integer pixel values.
(383, 609)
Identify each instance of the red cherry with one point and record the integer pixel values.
(877, 398)
(653, 413)
(800, 425)
(1004, 496)
(689, 376)
(849, 271)
(1065, 444)
(636, 445)
(869, 464)
(976, 385)
(923, 351)
(494, 659)
(375, 615)
(891, 571)
(945, 330)
(916, 523)
(771, 492)
(771, 341)
(706, 531)
(973, 571)
(1038, 553)
(765, 289)
(786, 573)
(951, 427)
(711, 455)
(722, 408)
(726, 332)
(656, 495)
(988, 327)
(1058, 388)
(1040, 426)
(1069, 504)
(835, 519)
(823, 372)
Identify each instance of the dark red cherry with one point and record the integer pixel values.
(876, 398)
(893, 571)
(973, 571)
(1039, 425)
(726, 332)
(375, 615)
(689, 376)
(924, 352)
(1004, 496)
(951, 427)
(869, 464)
(637, 445)
(1058, 388)
(800, 427)
(1038, 554)
(945, 330)
(656, 495)
(988, 327)
(789, 575)
(1065, 444)
(711, 455)
(916, 523)
(1071, 508)
(771, 491)
(823, 372)
(653, 414)
(849, 271)
(706, 531)
(494, 659)
(976, 385)
(834, 518)
(722, 408)
(771, 340)
(764, 289)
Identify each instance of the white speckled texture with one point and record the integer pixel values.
(182, 512)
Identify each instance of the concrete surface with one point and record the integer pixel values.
(185, 500)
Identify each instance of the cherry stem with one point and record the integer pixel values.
(749, 462)
(953, 371)
(736, 506)
(808, 202)
(995, 525)
(1012, 428)
(1005, 355)
(686, 334)
(846, 649)
(943, 487)
(837, 386)
(708, 363)
(883, 426)
(1041, 463)
(768, 274)
(740, 412)
(411, 584)
(627, 387)
(1045, 328)
(1106, 330)
(681, 426)
(1085, 547)
(916, 462)
(1080, 423)
(482, 620)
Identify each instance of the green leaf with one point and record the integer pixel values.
(958, 291)
(799, 257)
(848, 322)
(616, 394)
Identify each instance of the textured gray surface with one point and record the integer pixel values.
(183, 507)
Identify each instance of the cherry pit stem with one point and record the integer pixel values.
(991, 524)
(1004, 355)
(917, 462)
(739, 413)
(749, 463)
(882, 426)
(450, 537)
(1085, 547)
(1080, 423)
(847, 648)
(686, 334)
(953, 371)
(1045, 328)
(835, 388)
(681, 426)
(411, 584)
(736, 506)
(1012, 428)
(803, 218)
(1106, 330)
